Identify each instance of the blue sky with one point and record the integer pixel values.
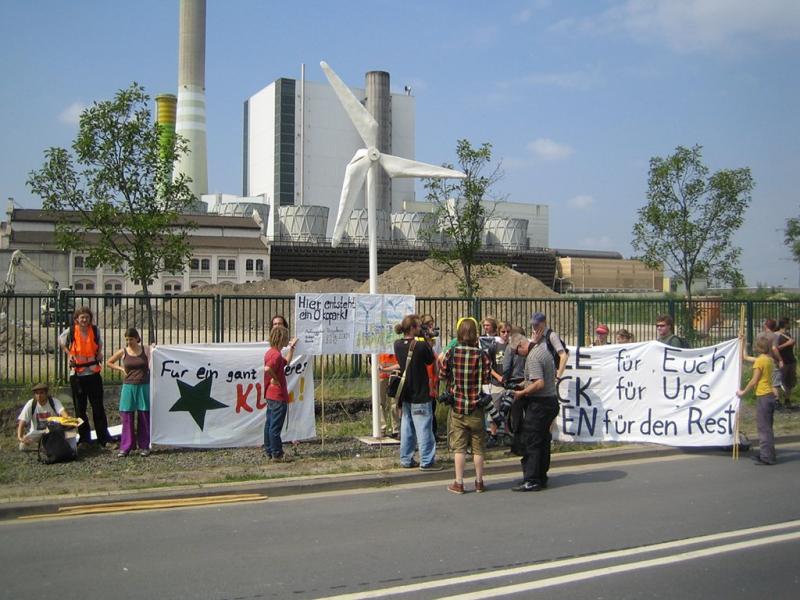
(575, 96)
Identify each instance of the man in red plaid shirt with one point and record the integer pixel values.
(465, 369)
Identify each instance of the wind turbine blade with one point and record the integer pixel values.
(354, 176)
(365, 123)
(403, 167)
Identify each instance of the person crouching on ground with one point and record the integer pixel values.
(34, 416)
(276, 390)
(133, 361)
(540, 407)
(761, 381)
(465, 368)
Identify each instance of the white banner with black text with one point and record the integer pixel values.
(212, 396)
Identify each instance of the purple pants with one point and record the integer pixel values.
(142, 441)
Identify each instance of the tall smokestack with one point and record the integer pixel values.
(191, 114)
(165, 117)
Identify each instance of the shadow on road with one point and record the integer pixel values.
(566, 479)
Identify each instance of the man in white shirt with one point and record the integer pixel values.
(34, 416)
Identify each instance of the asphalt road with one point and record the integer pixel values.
(689, 526)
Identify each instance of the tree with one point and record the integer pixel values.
(689, 220)
(460, 215)
(792, 236)
(128, 206)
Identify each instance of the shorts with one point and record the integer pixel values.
(467, 431)
(777, 380)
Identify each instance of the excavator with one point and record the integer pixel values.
(57, 297)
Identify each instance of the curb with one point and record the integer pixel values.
(343, 482)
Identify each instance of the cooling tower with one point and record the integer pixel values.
(379, 105)
(191, 114)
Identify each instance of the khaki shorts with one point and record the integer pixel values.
(467, 431)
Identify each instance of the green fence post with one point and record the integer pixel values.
(581, 322)
(671, 311)
(749, 324)
(217, 312)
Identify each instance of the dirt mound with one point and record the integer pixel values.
(278, 287)
(426, 279)
(422, 279)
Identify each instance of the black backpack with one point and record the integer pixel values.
(552, 350)
(54, 447)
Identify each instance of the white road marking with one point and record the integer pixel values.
(580, 560)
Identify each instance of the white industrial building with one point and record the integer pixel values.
(298, 141)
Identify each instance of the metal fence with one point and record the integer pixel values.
(29, 324)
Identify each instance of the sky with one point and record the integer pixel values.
(574, 96)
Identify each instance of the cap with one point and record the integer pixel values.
(538, 317)
(602, 329)
(40, 386)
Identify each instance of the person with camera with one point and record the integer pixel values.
(413, 396)
(466, 367)
(539, 404)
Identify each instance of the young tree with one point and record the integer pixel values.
(128, 206)
(689, 220)
(460, 215)
(792, 236)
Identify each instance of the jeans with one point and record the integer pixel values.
(276, 415)
(765, 411)
(417, 426)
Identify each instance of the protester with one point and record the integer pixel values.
(765, 399)
(665, 334)
(601, 335)
(539, 404)
(279, 320)
(466, 367)
(416, 426)
(429, 334)
(276, 391)
(84, 346)
(514, 359)
(552, 341)
(489, 327)
(785, 344)
(34, 415)
(623, 336)
(134, 398)
(390, 418)
(770, 331)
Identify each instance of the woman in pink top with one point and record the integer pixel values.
(275, 390)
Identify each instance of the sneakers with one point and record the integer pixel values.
(431, 467)
(456, 488)
(144, 453)
(479, 487)
(122, 454)
(413, 464)
(282, 459)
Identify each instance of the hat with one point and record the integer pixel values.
(602, 329)
(40, 386)
(538, 317)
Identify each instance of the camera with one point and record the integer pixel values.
(430, 332)
(447, 398)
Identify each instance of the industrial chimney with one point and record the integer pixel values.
(191, 113)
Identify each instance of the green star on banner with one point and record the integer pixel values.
(196, 400)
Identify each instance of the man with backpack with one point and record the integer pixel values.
(666, 335)
(34, 415)
(540, 332)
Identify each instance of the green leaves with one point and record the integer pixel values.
(117, 183)
(459, 216)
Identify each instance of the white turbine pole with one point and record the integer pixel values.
(362, 166)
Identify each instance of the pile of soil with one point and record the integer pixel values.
(422, 279)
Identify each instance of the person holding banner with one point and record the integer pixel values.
(276, 391)
(761, 381)
(416, 425)
(539, 404)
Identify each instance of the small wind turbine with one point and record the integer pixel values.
(360, 168)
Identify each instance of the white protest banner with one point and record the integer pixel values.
(650, 392)
(348, 323)
(212, 396)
